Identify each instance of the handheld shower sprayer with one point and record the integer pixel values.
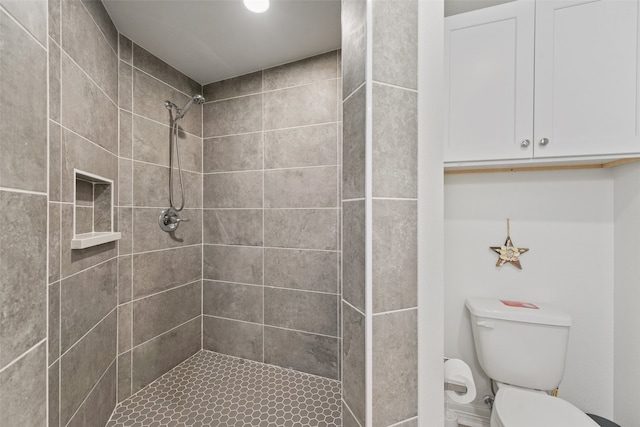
(170, 218)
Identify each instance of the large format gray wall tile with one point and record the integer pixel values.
(233, 226)
(248, 84)
(85, 299)
(125, 86)
(304, 146)
(301, 269)
(97, 408)
(353, 361)
(305, 71)
(159, 313)
(232, 116)
(240, 339)
(83, 365)
(348, 419)
(54, 81)
(395, 255)
(315, 187)
(395, 367)
(85, 43)
(149, 95)
(55, 161)
(233, 190)
(301, 228)
(53, 334)
(54, 242)
(395, 142)
(158, 271)
(354, 146)
(303, 105)
(125, 48)
(314, 354)
(149, 237)
(31, 14)
(233, 301)
(124, 279)
(54, 394)
(233, 264)
(54, 20)
(124, 376)
(354, 44)
(150, 141)
(102, 18)
(23, 125)
(125, 315)
(126, 144)
(23, 287)
(302, 311)
(151, 64)
(151, 145)
(86, 110)
(153, 358)
(395, 52)
(85, 156)
(23, 395)
(233, 153)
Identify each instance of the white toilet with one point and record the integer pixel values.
(523, 348)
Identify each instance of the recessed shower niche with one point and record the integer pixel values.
(92, 211)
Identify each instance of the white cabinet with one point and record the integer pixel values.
(577, 93)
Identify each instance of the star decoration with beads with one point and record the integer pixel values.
(509, 253)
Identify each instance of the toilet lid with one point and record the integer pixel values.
(523, 408)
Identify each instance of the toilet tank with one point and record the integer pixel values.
(518, 343)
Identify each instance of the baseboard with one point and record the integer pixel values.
(470, 415)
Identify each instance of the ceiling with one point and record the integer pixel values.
(212, 40)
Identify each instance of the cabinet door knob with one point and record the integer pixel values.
(525, 143)
(544, 141)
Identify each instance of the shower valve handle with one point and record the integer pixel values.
(175, 219)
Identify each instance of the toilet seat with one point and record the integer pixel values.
(522, 408)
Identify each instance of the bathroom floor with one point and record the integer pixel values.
(211, 389)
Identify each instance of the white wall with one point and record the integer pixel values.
(627, 294)
(566, 219)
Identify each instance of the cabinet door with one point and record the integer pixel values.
(586, 81)
(489, 83)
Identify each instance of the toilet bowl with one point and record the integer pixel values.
(522, 347)
(515, 407)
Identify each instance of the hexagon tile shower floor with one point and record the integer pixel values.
(211, 389)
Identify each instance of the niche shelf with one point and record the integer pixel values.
(92, 210)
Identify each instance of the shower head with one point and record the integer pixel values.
(197, 99)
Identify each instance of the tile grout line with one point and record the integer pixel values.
(262, 130)
(202, 160)
(47, 309)
(280, 89)
(23, 28)
(272, 326)
(130, 139)
(163, 333)
(272, 130)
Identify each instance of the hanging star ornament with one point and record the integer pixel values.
(509, 253)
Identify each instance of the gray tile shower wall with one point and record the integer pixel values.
(83, 134)
(159, 273)
(24, 186)
(380, 206)
(271, 215)
(89, 324)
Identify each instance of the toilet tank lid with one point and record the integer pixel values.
(517, 311)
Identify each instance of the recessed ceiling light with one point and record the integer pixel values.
(256, 6)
